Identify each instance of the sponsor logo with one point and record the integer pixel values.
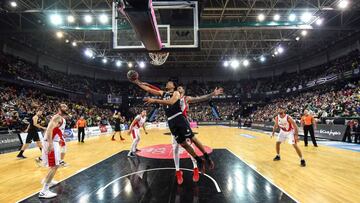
(330, 132)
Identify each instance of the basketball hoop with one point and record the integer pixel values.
(158, 58)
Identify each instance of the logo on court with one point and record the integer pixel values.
(165, 151)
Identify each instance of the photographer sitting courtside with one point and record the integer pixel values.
(308, 123)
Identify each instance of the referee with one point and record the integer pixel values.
(308, 123)
(81, 125)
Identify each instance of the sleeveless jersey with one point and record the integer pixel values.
(184, 105)
(139, 121)
(171, 110)
(32, 126)
(284, 124)
(57, 135)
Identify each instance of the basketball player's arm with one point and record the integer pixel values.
(132, 124)
(144, 129)
(175, 97)
(296, 129)
(302, 121)
(27, 128)
(276, 125)
(206, 97)
(147, 88)
(35, 122)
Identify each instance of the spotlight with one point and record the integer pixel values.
(292, 17)
(74, 44)
(13, 4)
(226, 63)
(70, 19)
(88, 19)
(118, 63)
(246, 62)
(280, 50)
(89, 53)
(276, 17)
(104, 60)
(276, 53)
(103, 19)
(343, 4)
(262, 58)
(130, 65)
(306, 17)
(234, 64)
(304, 33)
(56, 19)
(67, 41)
(297, 38)
(319, 21)
(261, 17)
(142, 64)
(59, 34)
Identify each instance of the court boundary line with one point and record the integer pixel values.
(77, 172)
(101, 189)
(266, 178)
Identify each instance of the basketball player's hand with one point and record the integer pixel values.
(129, 132)
(146, 132)
(149, 100)
(272, 135)
(218, 91)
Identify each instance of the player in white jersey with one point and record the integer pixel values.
(134, 130)
(288, 130)
(51, 151)
(184, 104)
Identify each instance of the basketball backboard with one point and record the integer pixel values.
(177, 22)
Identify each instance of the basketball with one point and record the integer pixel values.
(132, 75)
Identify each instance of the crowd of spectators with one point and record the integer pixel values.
(337, 100)
(19, 103)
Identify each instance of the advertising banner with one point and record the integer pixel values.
(9, 140)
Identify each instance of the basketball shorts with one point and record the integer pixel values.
(32, 136)
(180, 129)
(52, 158)
(286, 135)
(135, 133)
(117, 128)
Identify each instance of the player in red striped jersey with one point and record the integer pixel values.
(134, 130)
(51, 151)
(288, 130)
(184, 104)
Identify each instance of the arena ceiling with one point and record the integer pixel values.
(28, 23)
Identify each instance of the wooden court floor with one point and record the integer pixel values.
(331, 175)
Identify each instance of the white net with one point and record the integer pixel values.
(158, 58)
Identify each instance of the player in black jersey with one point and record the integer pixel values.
(118, 121)
(33, 128)
(178, 124)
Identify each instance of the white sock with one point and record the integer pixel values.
(176, 156)
(45, 187)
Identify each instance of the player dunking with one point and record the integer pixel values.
(134, 130)
(32, 130)
(288, 130)
(51, 152)
(184, 103)
(179, 126)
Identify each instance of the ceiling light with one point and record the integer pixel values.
(103, 19)
(319, 21)
(118, 63)
(74, 44)
(276, 17)
(89, 53)
(292, 17)
(13, 4)
(104, 60)
(306, 17)
(276, 53)
(142, 64)
(246, 62)
(234, 64)
(67, 41)
(304, 33)
(226, 63)
(70, 19)
(280, 50)
(343, 4)
(55, 19)
(262, 58)
(88, 18)
(297, 38)
(261, 17)
(59, 34)
(130, 65)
